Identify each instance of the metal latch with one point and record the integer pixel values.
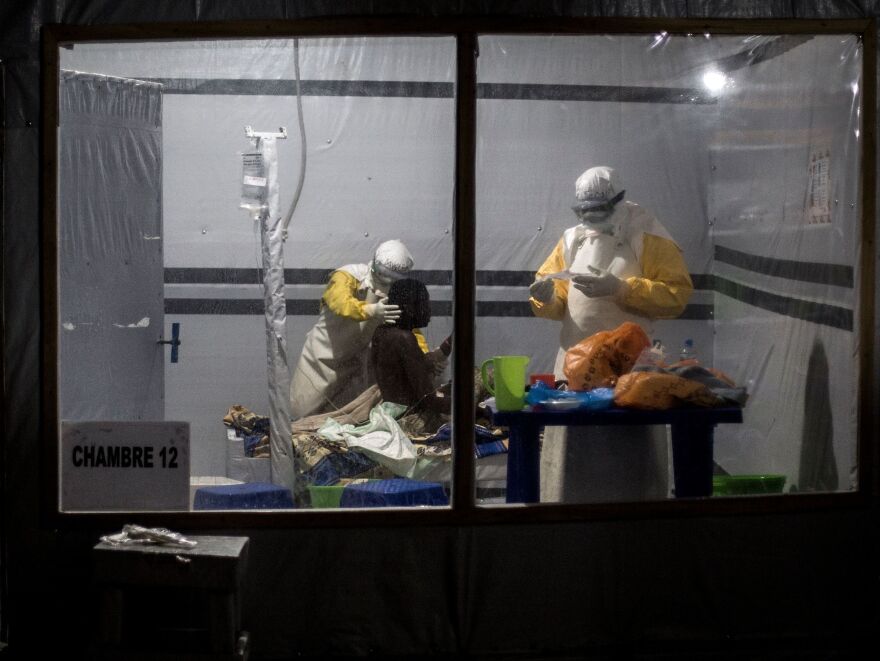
(174, 341)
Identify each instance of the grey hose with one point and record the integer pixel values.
(302, 135)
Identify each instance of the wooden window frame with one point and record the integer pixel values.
(463, 509)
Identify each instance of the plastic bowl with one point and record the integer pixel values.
(742, 485)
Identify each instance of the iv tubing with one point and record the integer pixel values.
(302, 135)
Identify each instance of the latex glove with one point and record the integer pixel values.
(542, 290)
(597, 283)
(385, 313)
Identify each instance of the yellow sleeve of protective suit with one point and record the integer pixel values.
(340, 296)
(555, 309)
(423, 343)
(665, 286)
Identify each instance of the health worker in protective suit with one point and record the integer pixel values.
(333, 368)
(627, 268)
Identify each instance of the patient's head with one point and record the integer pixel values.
(415, 304)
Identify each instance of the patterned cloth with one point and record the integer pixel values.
(253, 428)
(246, 420)
(324, 462)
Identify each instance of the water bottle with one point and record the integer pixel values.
(687, 350)
(652, 356)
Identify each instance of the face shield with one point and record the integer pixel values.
(594, 211)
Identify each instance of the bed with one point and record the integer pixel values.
(366, 439)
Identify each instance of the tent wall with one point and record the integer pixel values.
(110, 215)
(800, 582)
(785, 319)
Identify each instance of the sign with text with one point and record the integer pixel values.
(124, 466)
(819, 189)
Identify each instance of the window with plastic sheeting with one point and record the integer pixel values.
(686, 212)
(254, 259)
(458, 270)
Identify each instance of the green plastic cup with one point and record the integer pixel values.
(509, 376)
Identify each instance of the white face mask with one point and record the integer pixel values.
(381, 285)
(594, 217)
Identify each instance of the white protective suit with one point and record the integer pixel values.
(333, 368)
(605, 463)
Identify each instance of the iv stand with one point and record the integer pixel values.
(271, 232)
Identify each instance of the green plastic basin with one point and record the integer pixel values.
(325, 496)
(741, 485)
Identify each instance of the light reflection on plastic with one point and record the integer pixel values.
(658, 39)
(714, 80)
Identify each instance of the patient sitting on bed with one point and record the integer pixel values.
(404, 373)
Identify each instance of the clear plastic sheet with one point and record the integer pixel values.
(745, 157)
(746, 149)
(379, 120)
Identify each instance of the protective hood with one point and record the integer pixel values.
(392, 260)
(597, 189)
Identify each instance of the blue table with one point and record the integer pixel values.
(693, 432)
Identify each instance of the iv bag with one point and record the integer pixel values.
(254, 181)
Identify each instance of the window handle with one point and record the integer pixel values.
(174, 341)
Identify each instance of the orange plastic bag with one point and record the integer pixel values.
(659, 391)
(599, 360)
